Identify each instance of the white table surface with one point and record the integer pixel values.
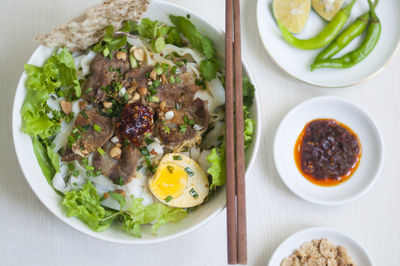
(31, 235)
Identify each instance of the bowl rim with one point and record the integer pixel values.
(360, 192)
(140, 241)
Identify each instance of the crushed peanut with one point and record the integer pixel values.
(153, 75)
(319, 253)
(121, 55)
(115, 152)
(138, 54)
(162, 105)
(142, 91)
(82, 105)
(107, 104)
(66, 107)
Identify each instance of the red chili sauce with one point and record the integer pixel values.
(327, 152)
(136, 121)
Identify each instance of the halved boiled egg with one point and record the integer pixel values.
(179, 181)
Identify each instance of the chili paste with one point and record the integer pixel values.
(327, 152)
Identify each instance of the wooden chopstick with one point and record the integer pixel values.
(240, 164)
(229, 138)
(235, 184)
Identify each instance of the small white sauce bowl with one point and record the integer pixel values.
(347, 113)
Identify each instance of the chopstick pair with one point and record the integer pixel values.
(235, 165)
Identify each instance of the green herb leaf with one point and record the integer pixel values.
(118, 197)
(158, 45)
(209, 69)
(201, 43)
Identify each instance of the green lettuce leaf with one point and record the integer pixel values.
(249, 124)
(58, 71)
(248, 92)
(54, 158)
(217, 169)
(43, 159)
(85, 205)
(156, 213)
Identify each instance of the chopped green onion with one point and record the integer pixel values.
(126, 97)
(75, 173)
(189, 171)
(89, 173)
(177, 158)
(97, 173)
(71, 167)
(157, 83)
(174, 69)
(194, 193)
(133, 61)
(101, 151)
(159, 70)
(169, 198)
(182, 128)
(120, 181)
(75, 130)
(89, 167)
(88, 90)
(166, 129)
(84, 161)
(172, 79)
(97, 128)
(139, 167)
(148, 141)
(84, 114)
(170, 168)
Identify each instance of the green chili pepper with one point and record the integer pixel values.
(359, 54)
(325, 36)
(346, 37)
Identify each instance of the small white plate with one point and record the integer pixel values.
(355, 250)
(297, 62)
(349, 114)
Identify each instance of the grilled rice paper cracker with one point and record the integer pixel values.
(79, 35)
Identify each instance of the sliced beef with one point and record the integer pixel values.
(68, 156)
(124, 167)
(104, 71)
(199, 111)
(92, 139)
(196, 113)
(172, 94)
(136, 77)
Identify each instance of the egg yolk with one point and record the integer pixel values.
(170, 180)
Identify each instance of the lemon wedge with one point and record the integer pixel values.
(327, 8)
(293, 14)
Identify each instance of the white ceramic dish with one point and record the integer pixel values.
(297, 62)
(355, 250)
(158, 10)
(351, 115)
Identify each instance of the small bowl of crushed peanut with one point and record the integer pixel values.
(321, 247)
